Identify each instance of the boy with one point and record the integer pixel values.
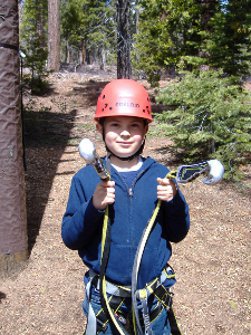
(136, 184)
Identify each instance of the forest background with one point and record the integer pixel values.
(203, 45)
(194, 58)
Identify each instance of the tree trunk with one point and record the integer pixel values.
(209, 8)
(53, 35)
(102, 57)
(124, 69)
(82, 54)
(13, 219)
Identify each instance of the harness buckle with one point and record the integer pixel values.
(142, 296)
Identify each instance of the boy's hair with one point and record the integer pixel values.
(124, 97)
(101, 121)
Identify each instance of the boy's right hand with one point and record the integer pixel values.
(104, 194)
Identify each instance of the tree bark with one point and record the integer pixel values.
(53, 35)
(13, 218)
(209, 8)
(124, 69)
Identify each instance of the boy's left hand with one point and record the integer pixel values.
(166, 190)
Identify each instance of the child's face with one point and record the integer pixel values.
(124, 135)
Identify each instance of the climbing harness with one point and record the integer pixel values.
(118, 295)
(139, 298)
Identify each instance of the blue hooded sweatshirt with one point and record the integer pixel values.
(129, 215)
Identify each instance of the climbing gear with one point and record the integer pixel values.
(163, 295)
(124, 97)
(118, 294)
(137, 261)
(87, 150)
(141, 297)
(213, 169)
(137, 296)
(105, 248)
(183, 174)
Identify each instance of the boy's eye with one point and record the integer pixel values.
(135, 125)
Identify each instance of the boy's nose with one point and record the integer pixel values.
(125, 132)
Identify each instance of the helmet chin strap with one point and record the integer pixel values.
(128, 158)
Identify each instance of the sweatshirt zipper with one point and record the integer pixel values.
(130, 192)
(130, 189)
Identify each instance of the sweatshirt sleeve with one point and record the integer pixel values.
(81, 219)
(177, 218)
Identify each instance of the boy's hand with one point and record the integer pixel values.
(104, 194)
(166, 190)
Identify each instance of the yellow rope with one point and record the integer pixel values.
(143, 242)
(103, 283)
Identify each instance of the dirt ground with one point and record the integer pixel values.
(212, 294)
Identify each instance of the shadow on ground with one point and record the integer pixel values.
(2, 296)
(46, 135)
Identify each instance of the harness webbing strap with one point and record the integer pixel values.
(102, 320)
(173, 323)
(118, 294)
(105, 248)
(163, 295)
(91, 327)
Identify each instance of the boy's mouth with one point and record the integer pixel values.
(126, 144)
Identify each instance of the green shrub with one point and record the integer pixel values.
(212, 119)
(37, 85)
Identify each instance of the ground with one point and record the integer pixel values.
(212, 294)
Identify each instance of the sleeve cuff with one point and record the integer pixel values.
(177, 203)
(93, 214)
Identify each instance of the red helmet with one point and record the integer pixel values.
(124, 97)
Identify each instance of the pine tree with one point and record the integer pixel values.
(169, 36)
(72, 16)
(33, 35)
(101, 31)
(190, 34)
(211, 118)
(124, 39)
(89, 27)
(53, 35)
(229, 40)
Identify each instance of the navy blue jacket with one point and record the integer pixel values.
(82, 223)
